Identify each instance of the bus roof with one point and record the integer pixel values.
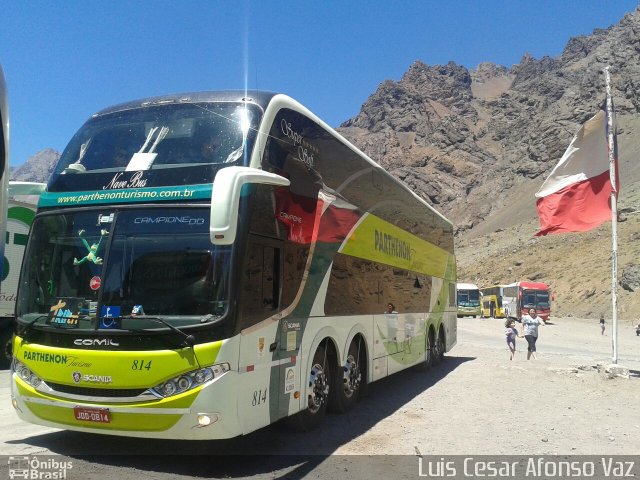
(261, 98)
(466, 286)
(534, 285)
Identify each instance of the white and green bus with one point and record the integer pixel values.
(203, 265)
(5, 324)
(21, 209)
(468, 300)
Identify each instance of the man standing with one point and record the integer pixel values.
(530, 331)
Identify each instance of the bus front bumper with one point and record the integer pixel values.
(191, 415)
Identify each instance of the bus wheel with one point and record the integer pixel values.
(441, 346)
(348, 381)
(431, 345)
(6, 354)
(318, 393)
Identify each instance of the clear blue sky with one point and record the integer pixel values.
(65, 60)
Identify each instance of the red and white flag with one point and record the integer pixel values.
(576, 195)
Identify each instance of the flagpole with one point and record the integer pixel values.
(614, 220)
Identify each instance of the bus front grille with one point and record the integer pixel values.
(92, 392)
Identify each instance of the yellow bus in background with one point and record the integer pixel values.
(492, 302)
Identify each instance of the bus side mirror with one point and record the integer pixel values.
(225, 199)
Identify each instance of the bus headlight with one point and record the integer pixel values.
(25, 374)
(190, 380)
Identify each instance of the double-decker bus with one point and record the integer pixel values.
(492, 305)
(468, 300)
(203, 265)
(519, 297)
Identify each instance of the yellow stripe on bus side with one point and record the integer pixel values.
(379, 241)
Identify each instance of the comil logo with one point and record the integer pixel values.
(96, 342)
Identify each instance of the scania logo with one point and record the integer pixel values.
(98, 342)
(88, 378)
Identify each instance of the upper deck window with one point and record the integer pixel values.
(171, 144)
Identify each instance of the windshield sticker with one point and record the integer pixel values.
(88, 308)
(61, 314)
(137, 310)
(91, 256)
(105, 218)
(110, 312)
(110, 317)
(148, 194)
(95, 282)
(137, 180)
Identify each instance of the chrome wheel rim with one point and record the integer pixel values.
(319, 385)
(352, 377)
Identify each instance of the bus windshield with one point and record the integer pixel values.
(535, 299)
(469, 298)
(96, 265)
(159, 145)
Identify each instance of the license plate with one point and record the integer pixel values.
(87, 414)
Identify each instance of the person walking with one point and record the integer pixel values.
(601, 324)
(511, 333)
(530, 331)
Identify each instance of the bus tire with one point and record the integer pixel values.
(441, 346)
(6, 340)
(320, 384)
(349, 379)
(429, 361)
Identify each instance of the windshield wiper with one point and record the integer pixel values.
(25, 328)
(188, 339)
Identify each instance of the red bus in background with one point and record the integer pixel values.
(519, 297)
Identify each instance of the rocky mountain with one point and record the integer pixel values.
(466, 140)
(477, 144)
(37, 168)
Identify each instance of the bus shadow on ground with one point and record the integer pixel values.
(274, 448)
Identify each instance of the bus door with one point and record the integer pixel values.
(264, 352)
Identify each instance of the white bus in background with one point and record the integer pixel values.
(20, 210)
(468, 300)
(4, 169)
